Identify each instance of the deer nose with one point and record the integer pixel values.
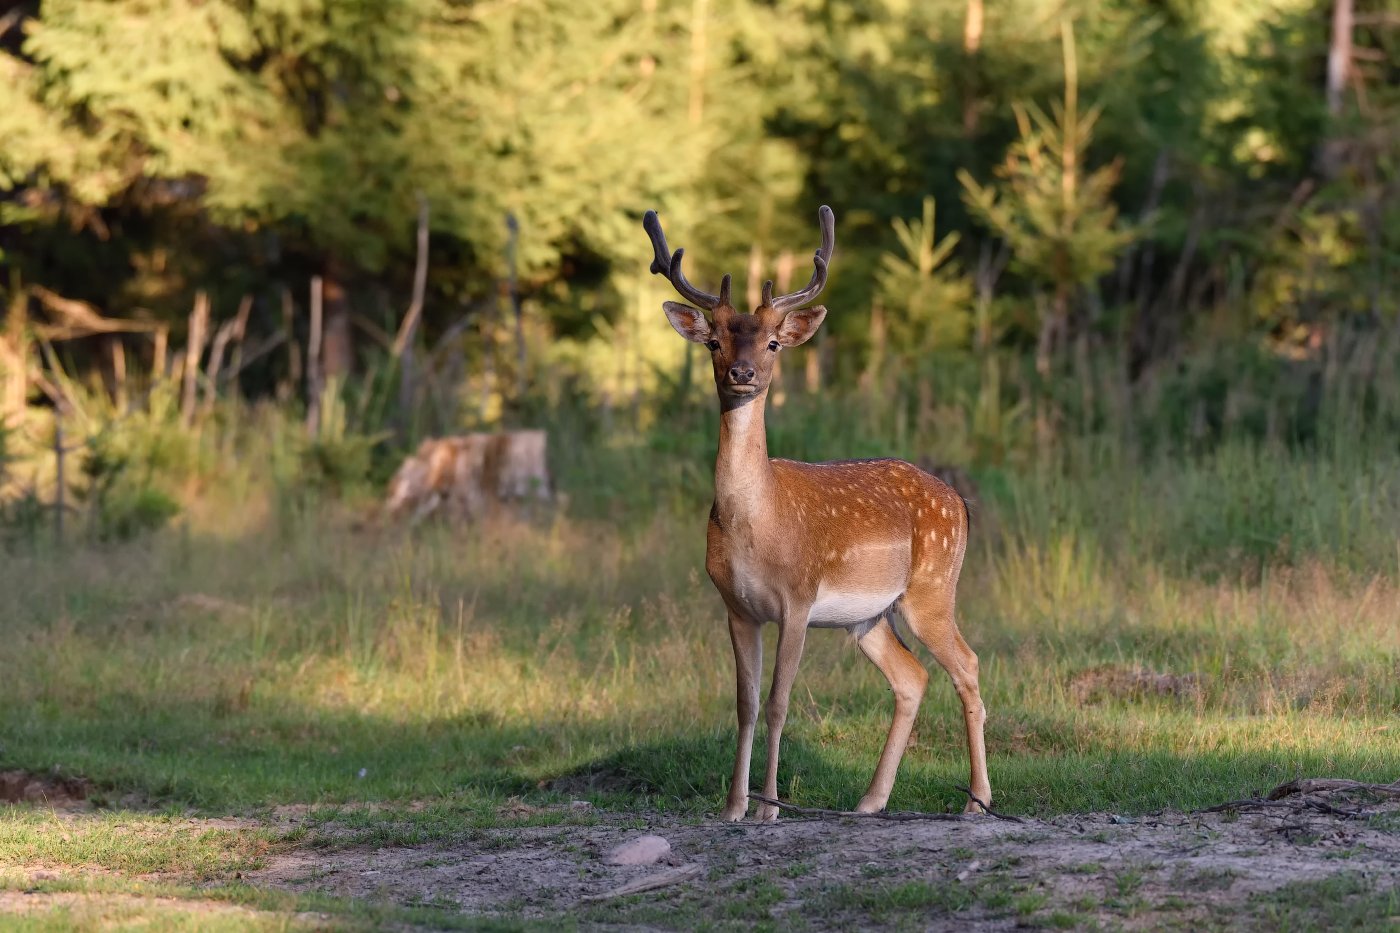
(741, 373)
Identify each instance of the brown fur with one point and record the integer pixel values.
(825, 544)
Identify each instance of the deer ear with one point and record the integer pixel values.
(689, 322)
(799, 326)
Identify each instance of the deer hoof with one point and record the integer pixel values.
(870, 805)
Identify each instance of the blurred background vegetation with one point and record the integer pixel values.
(1153, 225)
(1129, 264)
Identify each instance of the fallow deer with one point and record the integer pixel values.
(827, 545)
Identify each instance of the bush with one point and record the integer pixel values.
(123, 501)
(128, 513)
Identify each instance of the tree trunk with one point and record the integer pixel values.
(337, 342)
(194, 349)
(1338, 69)
(972, 44)
(404, 342)
(14, 358)
(315, 379)
(517, 312)
(699, 12)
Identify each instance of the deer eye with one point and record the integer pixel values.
(712, 344)
(774, 346)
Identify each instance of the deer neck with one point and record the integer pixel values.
(743, 476)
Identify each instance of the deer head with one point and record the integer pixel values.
(743, 347)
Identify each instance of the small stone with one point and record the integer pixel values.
(644, 850)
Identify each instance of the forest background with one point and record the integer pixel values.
(1176, 219)
(1128, 266)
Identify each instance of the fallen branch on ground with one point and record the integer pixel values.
(986, 807)
(1293, 806)
(894, 817)
(1302, 794)
(1331, 785)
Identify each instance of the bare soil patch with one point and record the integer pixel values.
(1178, 868)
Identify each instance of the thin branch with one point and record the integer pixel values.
(8, 21)
(263, 349)
(372, 330)
(420, 283)
(986, 807)
(80, 318)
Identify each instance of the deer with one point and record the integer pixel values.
(844, 544)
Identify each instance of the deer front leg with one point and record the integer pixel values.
(792, 635)
(747, 639)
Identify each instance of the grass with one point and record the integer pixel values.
(104, 902)
(1340, 902)
(130, 843)
(337, 666)
(271, 651)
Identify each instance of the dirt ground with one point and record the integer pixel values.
(1172, 869)
(1319, 856)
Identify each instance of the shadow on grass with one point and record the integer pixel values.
(693, 773)
(277, 755)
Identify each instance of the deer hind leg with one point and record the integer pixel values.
(748, 664)
(907, 678)
(928, 608)
(792, 636)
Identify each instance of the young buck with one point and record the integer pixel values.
(830, 545)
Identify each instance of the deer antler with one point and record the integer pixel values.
(668, 264)
(827, 220)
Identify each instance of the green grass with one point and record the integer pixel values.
(129, 843)
(333, 666)
(107, 901)
(269, 650)
(1341, 902)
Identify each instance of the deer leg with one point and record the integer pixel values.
(928, 608)
(792, 635)
(907, 679)
(747, 639)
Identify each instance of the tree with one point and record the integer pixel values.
(927, 287)
(1059, 220)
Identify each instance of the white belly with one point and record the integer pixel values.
(847, 607)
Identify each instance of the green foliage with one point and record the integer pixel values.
(926, 289)
(337, 458)
(1059, 219)
(155, 149)
(23, 518)
(125, 513)
(120, 493)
